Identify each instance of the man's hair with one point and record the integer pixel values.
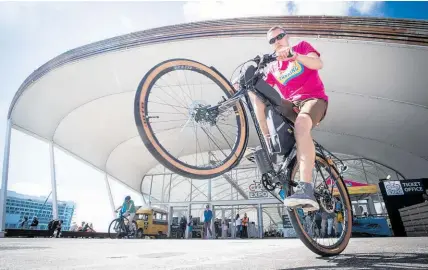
(276, 27)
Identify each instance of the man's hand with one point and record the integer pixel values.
(283, 54)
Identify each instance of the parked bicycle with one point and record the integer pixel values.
(226, 127)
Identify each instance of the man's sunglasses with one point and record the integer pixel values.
(278, 37)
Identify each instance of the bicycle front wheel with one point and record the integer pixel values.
(173, 121)
(116, 228)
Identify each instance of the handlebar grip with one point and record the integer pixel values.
(290, 53)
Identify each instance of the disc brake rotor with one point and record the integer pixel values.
(200, 114)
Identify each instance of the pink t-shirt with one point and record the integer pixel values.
(294, 80)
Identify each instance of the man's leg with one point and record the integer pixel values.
(209, 229)
(286, 109)
(131, 223)
(311, 113)
(318, 222)
(335, 224)
(323, 223)
(330, 225)
(305, 147)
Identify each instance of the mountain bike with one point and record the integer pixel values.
(119, 227)
(222, 118)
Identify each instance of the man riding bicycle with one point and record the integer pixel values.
(295, 76)
(128, 210)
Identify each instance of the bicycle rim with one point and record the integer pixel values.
(145, 124)
(112, 232)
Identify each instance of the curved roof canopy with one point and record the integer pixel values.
(375, 73)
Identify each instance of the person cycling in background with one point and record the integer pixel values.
(128, 209)
(295, 75)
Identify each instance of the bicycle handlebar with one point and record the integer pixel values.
(265, 59)
(261, 61)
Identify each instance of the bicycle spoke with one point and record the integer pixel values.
(177, 99)
(174, 92)
(323, 238)
(172, 106)
(219, 148)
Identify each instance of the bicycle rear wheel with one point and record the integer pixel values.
(328, 184)
(181, 147)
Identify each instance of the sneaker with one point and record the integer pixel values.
(303, 197)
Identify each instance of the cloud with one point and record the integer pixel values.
(368, 8)
(198, 11)
(321, 8)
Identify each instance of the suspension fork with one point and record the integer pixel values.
(256, 122)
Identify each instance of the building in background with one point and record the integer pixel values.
(19, 206)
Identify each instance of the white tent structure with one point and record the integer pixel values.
(82, 101)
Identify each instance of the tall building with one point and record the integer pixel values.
(19, 206)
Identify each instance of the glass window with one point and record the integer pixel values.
(158, 216)
(144, 217)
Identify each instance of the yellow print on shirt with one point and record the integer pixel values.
(293, 70)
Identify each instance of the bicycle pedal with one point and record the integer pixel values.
(293, 184)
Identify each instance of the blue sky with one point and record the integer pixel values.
(406, 10)
(32, 33)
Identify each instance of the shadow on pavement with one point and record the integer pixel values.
(385, 261)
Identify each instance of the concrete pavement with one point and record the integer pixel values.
(361, 253)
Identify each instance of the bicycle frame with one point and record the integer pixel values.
(243, 93)
(122, 219)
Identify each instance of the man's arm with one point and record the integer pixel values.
(311, 60)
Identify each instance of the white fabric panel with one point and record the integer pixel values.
(87, 106)
(95, 129)
(390, 122)
(407, 164)
(129, 162)
(391, 71)
(45, 103)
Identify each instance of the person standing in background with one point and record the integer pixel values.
(224, 228)
(245, 221)
(208, 215)
(238, 224)
(190, 228)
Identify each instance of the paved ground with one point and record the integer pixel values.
(362, 253)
